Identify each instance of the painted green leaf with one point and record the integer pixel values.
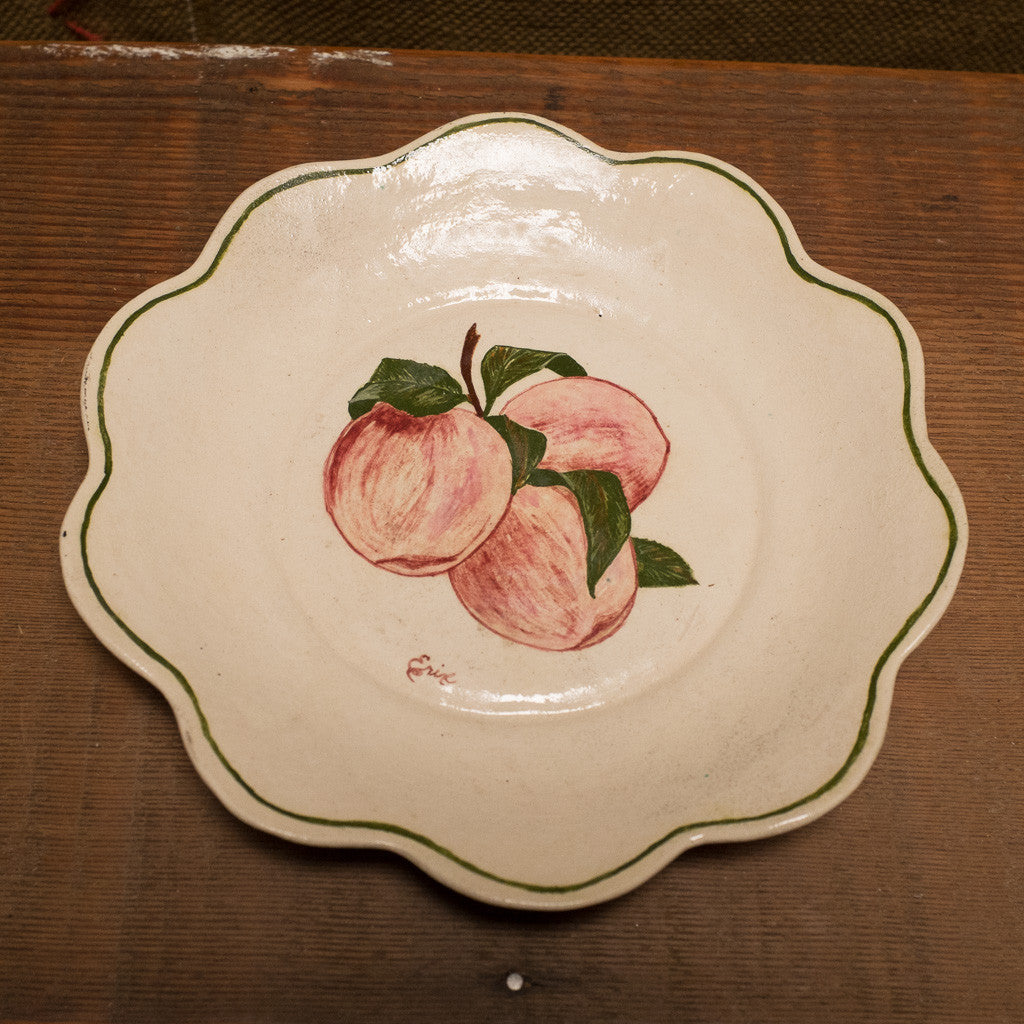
(659, 566)
(606, 520)
(416, 388)
(505, 365)
(525, 446)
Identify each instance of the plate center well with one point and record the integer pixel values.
(413, 634)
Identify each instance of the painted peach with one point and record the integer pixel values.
(591, 423)
(417, 494)
(528, 580)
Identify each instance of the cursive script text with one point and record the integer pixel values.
(421, 666)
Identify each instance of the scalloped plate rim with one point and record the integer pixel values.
(443, 864)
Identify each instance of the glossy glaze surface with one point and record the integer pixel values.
(332, 703)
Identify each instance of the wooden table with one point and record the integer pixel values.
(128, 893)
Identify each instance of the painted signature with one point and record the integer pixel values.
(421, 666)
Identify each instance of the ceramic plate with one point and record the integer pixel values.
(532, 510)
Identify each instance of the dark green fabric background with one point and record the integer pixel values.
(983, 35)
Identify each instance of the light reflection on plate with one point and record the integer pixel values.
(327, 701)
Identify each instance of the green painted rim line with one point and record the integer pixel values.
(397, 830)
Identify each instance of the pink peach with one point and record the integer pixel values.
(528, 581)
(591, 423)
(417, 494)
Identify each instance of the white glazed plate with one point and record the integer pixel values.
(335, 703)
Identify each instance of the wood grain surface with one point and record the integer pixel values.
(127, 893)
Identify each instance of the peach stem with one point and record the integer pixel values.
(468, 347)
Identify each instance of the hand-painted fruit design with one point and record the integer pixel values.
(417, 494)
(594, 424)
(529, 581)
(528, 511)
